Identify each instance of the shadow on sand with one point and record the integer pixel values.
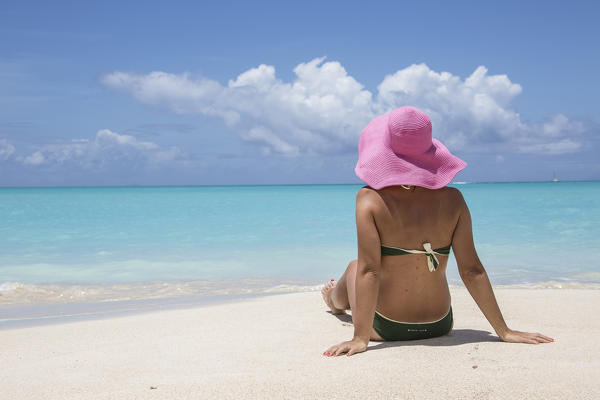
(455, 338)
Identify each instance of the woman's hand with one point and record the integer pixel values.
(525, 337)
(350, 347)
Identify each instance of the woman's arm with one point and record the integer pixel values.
(367, 275)
(478, 284)
(367, 269)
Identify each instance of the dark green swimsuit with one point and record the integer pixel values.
(391, 330)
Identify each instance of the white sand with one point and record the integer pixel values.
(271, 348)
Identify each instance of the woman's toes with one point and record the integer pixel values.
(327, 288)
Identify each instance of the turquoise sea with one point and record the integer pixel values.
(109, 243)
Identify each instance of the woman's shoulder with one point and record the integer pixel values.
(452, 193)
(452, 197)
(367, 195)
(454, 200)
(365, 190)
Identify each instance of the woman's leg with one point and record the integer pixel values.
(340, 296)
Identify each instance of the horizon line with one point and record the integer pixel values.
(270, 184)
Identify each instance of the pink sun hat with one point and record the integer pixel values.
(397, 149)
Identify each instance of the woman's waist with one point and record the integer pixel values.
(414, 303)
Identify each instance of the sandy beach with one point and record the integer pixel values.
(270, 348)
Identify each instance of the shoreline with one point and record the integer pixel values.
(271, 347)
(13, 294)
(35, 315)
(23, 294)
(19, 315)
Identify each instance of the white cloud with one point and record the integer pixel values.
(464, 113)
(106, 147)
(106, 138)
(324, 109)
(6, 149)
(36, 158)
(320, 111)
(556, 136)
(265, 135)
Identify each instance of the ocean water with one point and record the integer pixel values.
(115, 243)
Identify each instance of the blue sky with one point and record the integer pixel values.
(157, 93)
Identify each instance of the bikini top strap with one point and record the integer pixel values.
(432, 261)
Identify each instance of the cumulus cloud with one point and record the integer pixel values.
(6, 149)
(320, 111)
(323, 110)
(106, 147)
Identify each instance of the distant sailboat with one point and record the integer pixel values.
(554, 178)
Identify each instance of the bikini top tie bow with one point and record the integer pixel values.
(432, 261)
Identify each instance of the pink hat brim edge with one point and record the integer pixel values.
(442, 155)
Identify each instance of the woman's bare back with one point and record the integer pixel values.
(406, 219)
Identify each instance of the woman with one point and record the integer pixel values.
(407, 220)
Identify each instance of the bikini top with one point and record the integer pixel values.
(432, 261)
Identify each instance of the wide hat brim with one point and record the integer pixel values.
(378, 166)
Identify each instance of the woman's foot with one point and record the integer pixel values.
(326, 292)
